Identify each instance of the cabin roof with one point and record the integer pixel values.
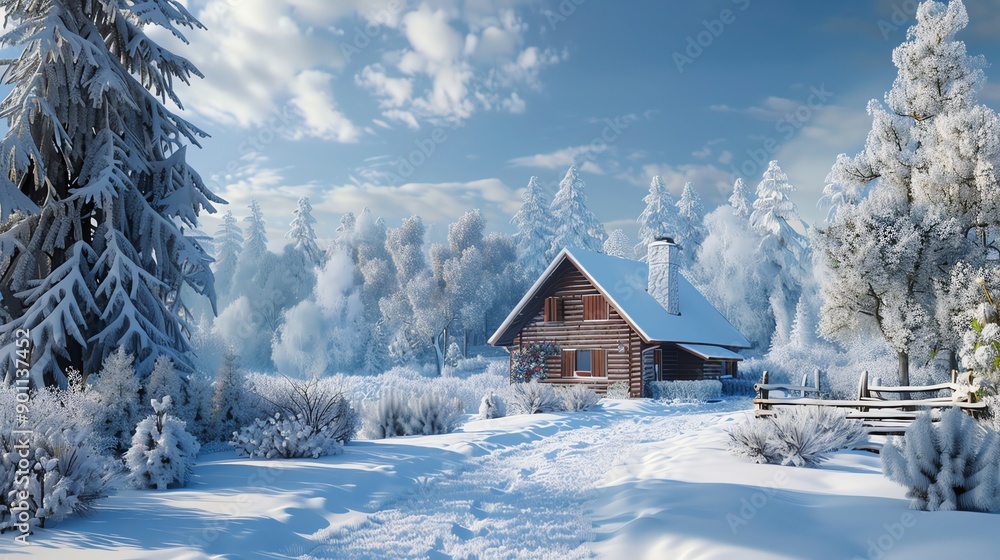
(623, 282)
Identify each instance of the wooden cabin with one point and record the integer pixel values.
(613, 319)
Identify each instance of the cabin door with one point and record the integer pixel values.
(651, 366)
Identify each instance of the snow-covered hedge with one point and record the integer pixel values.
(577, 398)
(163, 452)
(424, 413)
(796, 436)
(492, 406)
(532, 398)
(953, 465)
(696, 390)
(284, 438)
(738, 386)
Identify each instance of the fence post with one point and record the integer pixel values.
(816, 381)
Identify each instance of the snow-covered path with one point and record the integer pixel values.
(522, 501)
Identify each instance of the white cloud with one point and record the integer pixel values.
(772, 108)
(561, 159)
(312, 96)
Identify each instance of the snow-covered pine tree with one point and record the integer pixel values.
(618, 245)
(740, 199)
(659, 219)
(690, 228)
(255, 240)
(93, 158)
(228, 246)
(229, 404)
(920, 197)
(116, 392)
(576, 225)
(302, 233)
(782, 252)
(163, 452)
(164, 381)
(534, 230)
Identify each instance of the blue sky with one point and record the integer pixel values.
(437, 107)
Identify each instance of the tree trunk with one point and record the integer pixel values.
(904, 372)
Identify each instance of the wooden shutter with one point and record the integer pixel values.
(599, 363)
(595, 308)
(568, 362)
(553, 309)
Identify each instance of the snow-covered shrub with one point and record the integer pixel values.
(577, 398)
(285, 438)
(738, 386)
(322, 407)
(954, 465)
(991, 419)
(453, 355)
(388, 417)
(163, 452)
(618, 390)
(116, 393)
(532, 398)
(433, 414)
(73, 469)
(796, 436)
(528, 363)
(695, 390)
(492, 407)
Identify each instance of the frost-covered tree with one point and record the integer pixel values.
(920, 197)
(782, 252)
(228, 246)
(229, 403)
(659, 218)
(163, 452)
(255, 235)
(690, 215)
(96, 195)
(618, 245)
(116, 392)
(302, 234)
(740, 199)
(164, 381)
(575, 224)
(534, 230)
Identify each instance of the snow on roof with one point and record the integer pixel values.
(708, 352)
(624, 283)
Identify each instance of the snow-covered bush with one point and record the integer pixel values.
(73, 468)
(425, 413)
(492, 407)
(532, 398)
(738, 386)
(453, 355)
(695, 390)
(796, 436)
(618, 390)
(954, 465)
(529, 362)
(980, 350)
(433, 414)
(285, 438)
(991, 419)
(163, 452)
(577, 398)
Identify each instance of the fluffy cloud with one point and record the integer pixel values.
(582, 156)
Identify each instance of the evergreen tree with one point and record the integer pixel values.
(921, 196)
(740, 199)
(164, 381)
(255, 242)
(302, 233)
(534, 230)
(659, 219)
(576, 225)
(229, 403)
(690, 229)
(116, 392)
(95, 190)
(229, 245)
(618, 245)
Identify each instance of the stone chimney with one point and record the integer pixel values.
(663, 270)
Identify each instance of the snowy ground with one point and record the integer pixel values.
(633, 479)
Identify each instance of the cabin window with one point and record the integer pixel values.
(595, 308)
(583, 362)
(590, 363)
(553, 309)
